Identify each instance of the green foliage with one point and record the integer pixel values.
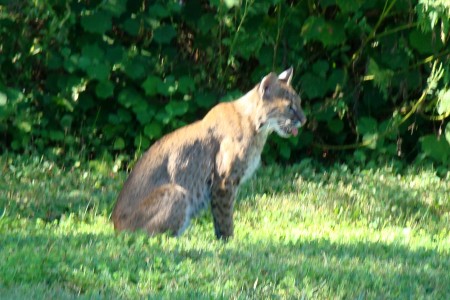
(304, 231)
(112, 76)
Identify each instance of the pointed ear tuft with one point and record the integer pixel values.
(266, 84)
(286, 76)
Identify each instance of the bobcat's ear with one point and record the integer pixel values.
(286, 76)
(266, 84)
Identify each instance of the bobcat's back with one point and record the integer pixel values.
(184, 158)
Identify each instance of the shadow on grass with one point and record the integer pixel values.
(132, 265)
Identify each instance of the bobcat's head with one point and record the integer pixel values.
(281, 106)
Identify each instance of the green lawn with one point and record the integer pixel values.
(301, 232)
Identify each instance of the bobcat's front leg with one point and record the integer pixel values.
(222, 203)
(226, 182)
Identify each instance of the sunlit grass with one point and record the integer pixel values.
(301, 232)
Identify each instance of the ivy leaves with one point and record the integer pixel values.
(438, 148)
(329, 33)
(443, 105)
(164, 34)
(96, 22)
(320, 81)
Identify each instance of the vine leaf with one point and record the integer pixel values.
(321, 68)
(104, 89)
(186, 84)
(164, 34)
(205, 100)
(336, 125)
(329, 33)
(132, 26)
(381, 77)
(135, 68)
(151, 84)
(153, 130)
(231, 3)
(96, 22)
(98, 71)
(158, 11)
(368, 127)
(350, 6)
(115, 7)
(444, 102)
(311, 85)
(438, 149)
(119, 144)
(177, 108)
(3, 99)
(447, 133)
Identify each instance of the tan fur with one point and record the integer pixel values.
(205, 162)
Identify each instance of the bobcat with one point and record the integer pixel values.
(205, 162)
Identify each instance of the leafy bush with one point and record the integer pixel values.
(95, 77)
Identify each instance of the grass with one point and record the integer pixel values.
(301, 232)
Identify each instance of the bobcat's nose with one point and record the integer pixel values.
(300, 117)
